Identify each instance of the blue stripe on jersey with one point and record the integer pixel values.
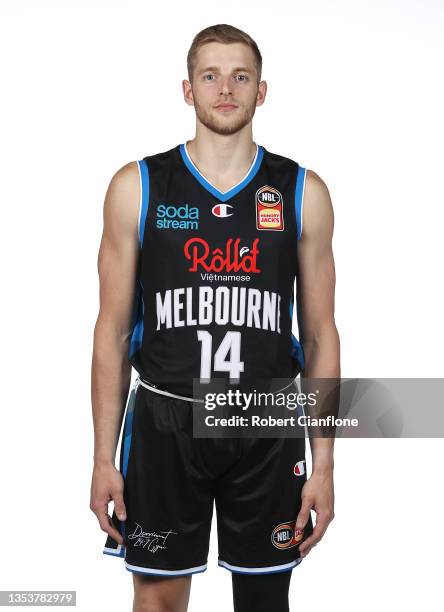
(144, 197)
(299, 197)
(127, 432)
(137, 333)
(223, 196)
(297, 351)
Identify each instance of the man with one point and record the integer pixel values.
(200, 251)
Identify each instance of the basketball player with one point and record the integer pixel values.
(201, 248)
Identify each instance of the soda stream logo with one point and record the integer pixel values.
(177, 217)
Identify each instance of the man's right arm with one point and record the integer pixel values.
(111, 370)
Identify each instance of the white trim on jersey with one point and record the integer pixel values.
(205, 178)
(302, 202)
(116, 552)
(160, 572)
(140, 198)
(191, 399)
(260, 570)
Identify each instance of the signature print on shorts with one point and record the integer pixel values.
(149, 540)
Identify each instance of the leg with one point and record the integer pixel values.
(161, 594)
(261, 592)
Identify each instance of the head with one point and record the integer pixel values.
(224, 78)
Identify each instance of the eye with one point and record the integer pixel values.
(242, 77)
(208, 77)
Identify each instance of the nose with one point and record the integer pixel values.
(225, 88)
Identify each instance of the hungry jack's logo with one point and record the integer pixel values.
(269, 209)
(231, 259)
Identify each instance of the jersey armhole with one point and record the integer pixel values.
(299, 199)
(144, 190)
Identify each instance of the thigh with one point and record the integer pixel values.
(161, 594)
(261, 593)
(258, 502)
(169, 501)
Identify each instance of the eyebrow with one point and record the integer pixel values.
(216, 69)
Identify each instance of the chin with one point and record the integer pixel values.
(227, 129)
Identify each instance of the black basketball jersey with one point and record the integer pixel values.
(217, 272)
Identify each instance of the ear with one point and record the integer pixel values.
(187, 92)
(261, 94)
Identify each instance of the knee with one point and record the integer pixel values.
(153, 604)
(161, 594)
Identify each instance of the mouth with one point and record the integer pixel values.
(225, 108)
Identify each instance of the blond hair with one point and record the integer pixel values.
(226, 34)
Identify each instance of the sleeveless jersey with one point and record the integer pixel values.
(217, 271)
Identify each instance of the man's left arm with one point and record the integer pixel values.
(320, 341)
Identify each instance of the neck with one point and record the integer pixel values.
(223, 160)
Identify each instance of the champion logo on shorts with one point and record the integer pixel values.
(151, 541)
(286, 535)
(299, 468)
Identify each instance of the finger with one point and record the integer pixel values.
(312, 540)
(304, 513)
(307, 551)
(107, 525)
(319, 530)
(306, 546)
(119, 505)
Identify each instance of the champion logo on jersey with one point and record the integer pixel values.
(299, 468)
(222, 210)
(286, 535)
(269, 209)
(183, 216)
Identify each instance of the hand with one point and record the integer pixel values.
(106, 486)
(317, 493)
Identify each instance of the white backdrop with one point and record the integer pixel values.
(356, 94)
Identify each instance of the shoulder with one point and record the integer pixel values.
(122, 198)
(279, 163)
(317, 205)
(315, 187)
(126, 178)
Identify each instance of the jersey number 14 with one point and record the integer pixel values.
(226, 357)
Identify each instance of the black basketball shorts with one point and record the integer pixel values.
(172, 480)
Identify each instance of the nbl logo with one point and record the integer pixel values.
(286, 535)
(269, 209)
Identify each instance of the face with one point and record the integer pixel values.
(224, 91)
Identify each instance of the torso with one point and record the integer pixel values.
(217, 273)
